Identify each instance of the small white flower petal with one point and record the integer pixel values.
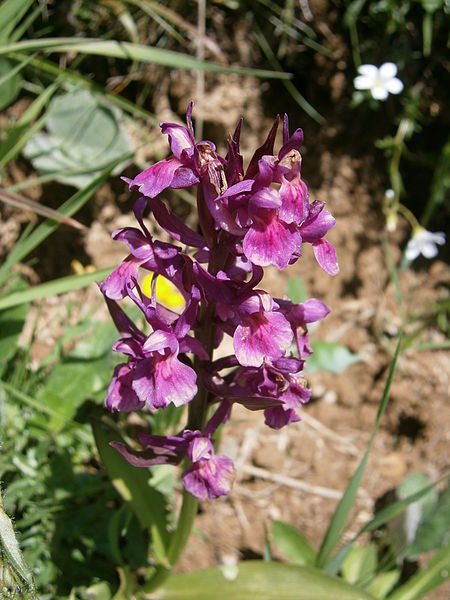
(412, 250)
(439, 237)
(362, 82)
(370, 71)
(388, 70)
(394, 85)
(429, 250)
(379, 92)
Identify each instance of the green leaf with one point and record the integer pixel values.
(404, 528)
(12, 564)
(337, 524)
(133, 485)
(129, 51)
(70, 383)
(360, 564)
(67, 75)
(53, 288)
(352, 12)
(387, 514)
(383, 583)
(24, 129)
(71, 206)
(414, 483)
(10, 82)
(127, 585)
(97, 343)
(84, 135)
(433, 530)
(11, 324)
(292, 544)
(261, 580)
(99, 591)
(330, 357)
(11, 11)
(427, 579)
(296, 290)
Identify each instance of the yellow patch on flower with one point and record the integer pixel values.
(166, 292)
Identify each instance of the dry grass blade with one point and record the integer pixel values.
(22, 203)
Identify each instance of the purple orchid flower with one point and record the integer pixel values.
(247, 220)
(263, 333)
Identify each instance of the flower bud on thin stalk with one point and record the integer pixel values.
(248, 219)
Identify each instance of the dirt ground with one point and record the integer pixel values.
(298, 473)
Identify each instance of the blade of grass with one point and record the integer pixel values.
(23, 203)
(290, 87)
(426, 579)
(396, 508)
(277, 10)
(31, 402)
(26, 23)
(334, 531)
(71, 206)
(170, 16)
(51, 70)
(130, 51)
(53, 288)
(304, 39)
(22, 132)
(15, 70)
(440, 185)
(11, 11)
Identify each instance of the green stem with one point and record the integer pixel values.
(181, 535)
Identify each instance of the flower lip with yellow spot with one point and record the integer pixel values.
(166, 293)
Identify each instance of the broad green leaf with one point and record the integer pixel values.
(258, 580)
(72, 382)
(133, 485)
(337, 524)
(360, 564)
(53, 288)
(296, 290)
(436, 573)
(330, 357)
(95, 343)
(10, 82)
(292, 544)
(415, 482)
(84, 135)
(129, 51)
(383, 583)
(434, 528)
(32, 402)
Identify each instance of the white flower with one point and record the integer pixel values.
(381, 82)
(424, 242)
